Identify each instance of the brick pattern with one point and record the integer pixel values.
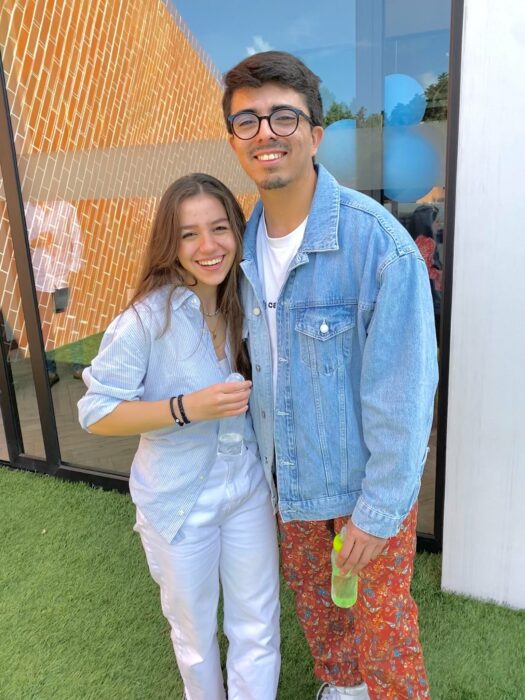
(110, 102)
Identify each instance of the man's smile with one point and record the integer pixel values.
(269, 156)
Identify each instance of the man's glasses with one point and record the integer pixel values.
(283, 122)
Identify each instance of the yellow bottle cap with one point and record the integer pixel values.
(338, 543)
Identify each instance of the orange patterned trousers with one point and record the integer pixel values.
(378, 639)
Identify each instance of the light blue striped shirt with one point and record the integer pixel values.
(136, 362)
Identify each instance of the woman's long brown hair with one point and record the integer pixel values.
(161, 266)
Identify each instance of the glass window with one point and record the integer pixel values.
(384, 71)
(101, 132)
(15, 340)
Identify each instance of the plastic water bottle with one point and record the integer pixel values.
(344, 586)
(231, 429)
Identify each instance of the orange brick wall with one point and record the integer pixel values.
(103, 82)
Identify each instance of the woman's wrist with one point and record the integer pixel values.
(182, 409)
(177, 418)
(188, 407)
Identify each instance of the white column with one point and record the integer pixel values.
(484, 533)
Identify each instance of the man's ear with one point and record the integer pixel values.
(317, 137)
(231, 141)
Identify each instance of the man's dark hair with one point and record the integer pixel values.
(274, 67)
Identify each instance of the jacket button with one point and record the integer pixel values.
(263, 414)
(257, 368)
(323, 328)
(257, 311)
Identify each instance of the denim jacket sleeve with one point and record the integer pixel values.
(398, 383)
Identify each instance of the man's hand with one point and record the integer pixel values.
(359, 548)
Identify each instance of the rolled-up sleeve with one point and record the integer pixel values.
(117, 372)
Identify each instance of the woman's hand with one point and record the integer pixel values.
(218, 400)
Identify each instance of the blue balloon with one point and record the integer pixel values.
(405, 101)
(411, 163)
(337, 151)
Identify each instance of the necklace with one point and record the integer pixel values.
(217, 311)
(214, 331)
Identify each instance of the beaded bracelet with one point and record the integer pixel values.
(181, 409)
(175, 416)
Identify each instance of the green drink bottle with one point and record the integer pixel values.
(344, 586)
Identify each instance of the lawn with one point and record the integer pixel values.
(81, 618)
(80, 352)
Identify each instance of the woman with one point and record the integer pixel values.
(160, 372)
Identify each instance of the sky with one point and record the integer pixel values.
(230, 31)
(323, 34)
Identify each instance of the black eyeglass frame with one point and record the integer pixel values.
(298, 113)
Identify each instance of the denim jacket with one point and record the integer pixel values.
(357, 364)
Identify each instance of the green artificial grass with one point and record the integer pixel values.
(80, 617)
(80, 352)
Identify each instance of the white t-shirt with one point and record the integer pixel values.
(274, 256)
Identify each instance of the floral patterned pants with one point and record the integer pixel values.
(378, 639)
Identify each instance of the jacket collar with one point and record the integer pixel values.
(323, 219)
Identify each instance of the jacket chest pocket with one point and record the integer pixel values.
(325, 336)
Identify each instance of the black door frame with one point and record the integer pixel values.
(435, 542)
(53, 464)
(19, 238)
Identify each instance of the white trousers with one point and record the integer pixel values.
(229, 536)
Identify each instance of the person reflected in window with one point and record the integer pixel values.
(424, 229)
(56, 248)
(203, 519)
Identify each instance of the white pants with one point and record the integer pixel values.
(230, 535)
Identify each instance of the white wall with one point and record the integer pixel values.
(484, 534)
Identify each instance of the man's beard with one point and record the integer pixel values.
(273, 183)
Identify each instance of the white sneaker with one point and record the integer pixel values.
(332, 692)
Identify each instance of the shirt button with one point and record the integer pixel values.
(263, 414)
(257, 368)
(257, 311)
(323, 328)
(181, 512)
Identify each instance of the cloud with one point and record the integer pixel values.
(301, 30)
(258, 45)
(427, 79)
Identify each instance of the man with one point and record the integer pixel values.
(340, 330)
